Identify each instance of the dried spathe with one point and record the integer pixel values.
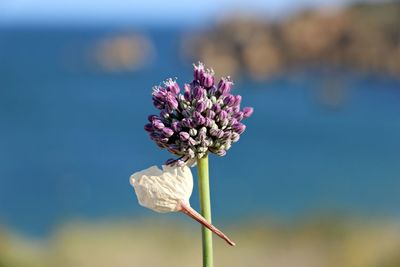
(169, 190)
(163, 190)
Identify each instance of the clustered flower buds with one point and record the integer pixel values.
(205, 117)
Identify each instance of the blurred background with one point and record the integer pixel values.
(314, 182)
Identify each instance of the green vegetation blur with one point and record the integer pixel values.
(324, 242)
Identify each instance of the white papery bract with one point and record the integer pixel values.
(163, 190)
(169, 190)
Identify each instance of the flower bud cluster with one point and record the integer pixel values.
(205, 117)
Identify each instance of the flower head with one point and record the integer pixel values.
(204, 118)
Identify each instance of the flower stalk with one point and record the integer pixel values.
(205, 210)
(204, 117)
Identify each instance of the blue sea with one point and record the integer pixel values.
(71, 135)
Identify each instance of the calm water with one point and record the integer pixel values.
(70, 136)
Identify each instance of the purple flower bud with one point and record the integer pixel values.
(180, 98)
(198, 71)
(150, 118)
(198, 118)
(191, 141)
(157, 104)
(224, 123)
(205, 143)
(208, 122)
(164, 114)
(202, 121)
(158, 124)
(186, 88)
(221, 153)
(235, 137)
(200, 106)
(217, 133)
(220, 133)
(196, 115)
(202, 136)
(191, 153)
(232, 121)
(184, 136)
(229, 100)
(185, 122)
(238, 99)
(190, 122)
(158, 97)
(186, 113)
(149, 128)
(194, 83)
(225, 85)
(198, 93)
(172, 86)
(238, 116)
(208, 79)
(213, 132)
(228, 144)
(236, 109)
(247, 112)
(176, 126)
(222, 115)
(164, 140)
(216, 108)
(227, 135)
(159, 93)
(229, 110)
(167, 132)
(239, 128)
(212, 91)
(187, 92)
(171, 102)
(210, 114)
(203, 130)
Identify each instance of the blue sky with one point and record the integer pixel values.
(156, 11)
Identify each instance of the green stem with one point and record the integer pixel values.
(205, 210)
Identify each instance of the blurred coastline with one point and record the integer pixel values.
(362, 37)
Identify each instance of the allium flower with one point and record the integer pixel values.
(169, 190)
(205, 117)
